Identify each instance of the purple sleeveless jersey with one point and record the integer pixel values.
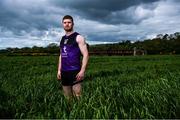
(70, 53)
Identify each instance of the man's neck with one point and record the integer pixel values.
(69, 33)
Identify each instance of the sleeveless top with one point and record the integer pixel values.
(70, 53)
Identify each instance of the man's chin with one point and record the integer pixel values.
(68, 30)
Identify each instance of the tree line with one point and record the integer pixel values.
(162, 44)
(166, 44)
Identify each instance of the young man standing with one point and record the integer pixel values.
(71, 69)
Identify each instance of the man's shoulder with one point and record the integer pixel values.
(79, 38)
(76, 33)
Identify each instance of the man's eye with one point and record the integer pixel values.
(67, 22)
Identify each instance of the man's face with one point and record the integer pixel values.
(68, 25)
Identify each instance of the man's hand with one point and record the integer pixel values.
(59, 75)
(80, 76)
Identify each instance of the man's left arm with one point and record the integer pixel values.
(84, 51)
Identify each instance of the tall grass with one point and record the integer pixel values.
(114, 87)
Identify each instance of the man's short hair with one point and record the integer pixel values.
(68, 17)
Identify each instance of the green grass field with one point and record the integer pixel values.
(114, 87)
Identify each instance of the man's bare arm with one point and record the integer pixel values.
(59, 69)
(84, 51)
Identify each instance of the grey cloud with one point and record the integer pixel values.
(111, 5)
(17, 17)
(101, 10)
(99, 20)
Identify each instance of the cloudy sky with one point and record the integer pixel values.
(27, 23)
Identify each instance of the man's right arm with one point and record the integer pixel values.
(59, 69)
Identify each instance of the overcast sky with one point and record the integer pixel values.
(27, 23)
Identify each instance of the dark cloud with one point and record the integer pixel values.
(28, 16)
(36, 21)
(110, 5)
(101, 10)
(17, 17)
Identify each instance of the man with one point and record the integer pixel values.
(70, 70)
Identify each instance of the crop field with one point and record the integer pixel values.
(114, 87)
